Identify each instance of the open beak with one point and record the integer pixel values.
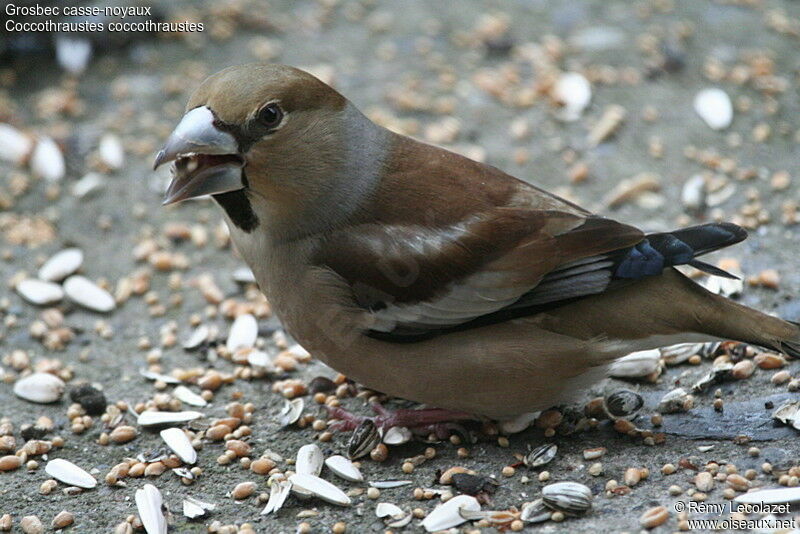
(207, 160)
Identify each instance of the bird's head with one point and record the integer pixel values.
(254, 127)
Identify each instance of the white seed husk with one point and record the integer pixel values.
(151, 375)
(69, 473)
(177, 440)
(389, 484)
(243, 333)
(47, 161)
(397, 435)
(243, 275)
(693, 193)
(149, 503)
(259, 358)
(41, 388)
(90, 183)
(535, 512)
(787, 413)
(15, 146)
(714, 107)
(86, 293)
(39, 292)
(574, 92)
(196, 338)
(193, 508)
(187, 396)
(636, 364)
(677, 354)
(344, 468)
(673, 401)
(309, 460)
(448, 515)
(571, 498)
(149, 418)
(319, 488)
(291, 412)
(73, 53)
(61, 265)
(387, 509)
(770, 496)
(277, 496)
(111, 152)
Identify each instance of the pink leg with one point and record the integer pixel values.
(425, 419)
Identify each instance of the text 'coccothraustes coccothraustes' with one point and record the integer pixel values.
(426, 275)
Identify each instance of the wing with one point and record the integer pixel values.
(415, 279)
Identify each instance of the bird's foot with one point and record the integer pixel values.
(424, 421)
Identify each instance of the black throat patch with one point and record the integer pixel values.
(239, 210)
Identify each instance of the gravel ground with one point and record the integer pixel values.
(473, 76)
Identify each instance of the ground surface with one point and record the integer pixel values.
(414, 66)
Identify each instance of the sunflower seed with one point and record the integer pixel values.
(149, 503)
(770, 496)
(61, 265)
(623, 403)
(535, 512)
(320, 488)
(677, 400)
(15, 146)
(714, 107)
(83, 291)
(197, 338)
(677, 354)
(636, 364)
(448, 515)
(41, 388)
(47, 160)
(177, 440)
(571, 498)
(39, 292)
(243, 333)
(111, 152)
(309, 460)
(387, 509)
(69, 473)
(291, 412)
(365, 438)
(148, 418)
(186, 395)
(193, 508)
(541, 455)
(397, 435)
(277, 496)
(344, 468)
(573, 92)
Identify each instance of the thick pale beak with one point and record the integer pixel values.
(207, 159)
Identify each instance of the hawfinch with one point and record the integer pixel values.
(425, 275)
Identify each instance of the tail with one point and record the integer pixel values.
(681, 247)
(665, 309)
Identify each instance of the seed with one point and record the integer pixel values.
(571, 498)
(63, 519)
(704, 481)
(623, 403)
(632, 476)
(262, 466)
(541, 455)
(654, 517)
(31, 524)
(373, 493)
(594, 454)
(243, 490)
(365, 439)
(86, 293)
(378, 454)
(240, 448)
(41, 388)
(61, 265)
(781, 377)
(668, 469)
(596, 469)
(508, 471)
(123, 434)
(714, 106)
(738, 482)
(743, 369)
(339, 528)
(9, 463)
(48, 486)
(5, 522)
(765, 360)
(154, 469)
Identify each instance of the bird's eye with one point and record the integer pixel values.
(270, 115)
